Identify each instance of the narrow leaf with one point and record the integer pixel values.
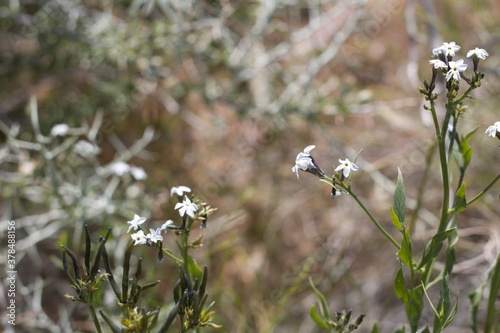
(395, 220)
(405, 253)
(433, 247)
(325, 310)
(400, 198)
(375, 328)
(114, 328)
(400, 286)
(317, 318)
(460, 200)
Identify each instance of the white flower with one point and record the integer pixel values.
(437, 51)
(456, 67)
(186, 207)
(138, 173)
(59, 130)
(346, 166)
(119, 168)
(438, 63)
(305, 162)
(480, 53)
(85, 148)
(137, 220)
(155, 235)
(179, 190)
(450, 48)
(165, 225)
(139, 238)
(493, 129)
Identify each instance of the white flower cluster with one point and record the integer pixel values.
(444, 54)
(493, 130)
(186, 207)
(152, 237)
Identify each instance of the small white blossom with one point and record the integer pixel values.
(179, 190)
(139, 238)
(305, 162)
(136, 221)
(186, 207)
(437, 51)
(346, 166)
(85, 148)
(480, 53)
(138, 173)
(59, 130)
(119, 168)
(450, 48)
(155, 235)
(165, 225)
(438, 63)
(456, 67)
(493, 130)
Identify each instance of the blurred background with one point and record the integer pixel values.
(233, 90)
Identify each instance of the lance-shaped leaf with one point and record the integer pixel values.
(87, 249)
(433, 247)
(111, 278)
(172, 314)
(126, 269)
(76, 266)
(460, 200)
(313, 313)
(405, 253)
(114, 328)
(97, 258)
(400, 198)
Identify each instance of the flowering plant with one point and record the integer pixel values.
(417, 273)
(189, 293)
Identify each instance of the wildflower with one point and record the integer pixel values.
(85, 148)
(59, 130)
(456, 67)
(179, 190)
(165, 225)
(155, 235)
(119, 168)
(136, 221)
(138, 173)
(438, 63)
(186, 206)
(493, 130)
(139, 238)
(437, 51)
(346, 166)
(450, 48)
(477, 52)
(305, 162)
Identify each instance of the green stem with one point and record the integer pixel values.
(491, 318)
(377, 224)
(94, 316)
(480, 194)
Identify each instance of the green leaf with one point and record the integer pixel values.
(460, 200)
(395, 220)
(194, 269)
(405, 253)
(433, 247)
(317, 318)
(452, 314)
(400, 198)
(375, 328)
(475, 298)
(414, 306)
(325, 310)
(400, 286)
(443, 307)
